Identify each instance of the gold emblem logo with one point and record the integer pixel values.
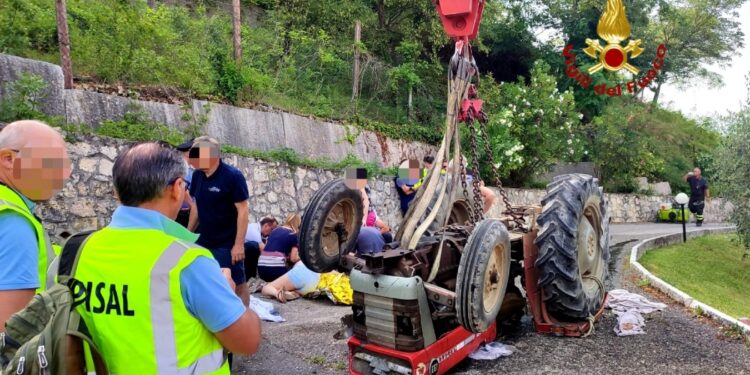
(614, 28)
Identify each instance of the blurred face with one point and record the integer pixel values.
(356, 178)
(203, 156)
(427, 165)
(409, 170)
(37, 170)
(697, 172)
(266, 229)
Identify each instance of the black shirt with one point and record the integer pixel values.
(215, 197)
(698, 188)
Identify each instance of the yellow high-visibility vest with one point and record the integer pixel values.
(127, 290)
(11, 201)
(423, 173)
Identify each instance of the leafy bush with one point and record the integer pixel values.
(530, 126)
(23, 98)
(631, 139)
(732, 168)
(137, 126)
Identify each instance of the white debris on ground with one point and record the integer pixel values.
(265, 310)
(629, 308)
(492, 351)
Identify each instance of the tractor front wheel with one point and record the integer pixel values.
(483, 275)
(330, 226)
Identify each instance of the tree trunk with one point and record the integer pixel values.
(409, 108)
(64, 40)
(381, 14)
(356, 72)
(236, 31)
(657, 91)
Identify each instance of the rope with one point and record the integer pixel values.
(592, 318)
(592, 329)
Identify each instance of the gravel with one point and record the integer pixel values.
(674, 343)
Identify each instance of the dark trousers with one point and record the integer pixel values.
(252, 253)
(696, 206)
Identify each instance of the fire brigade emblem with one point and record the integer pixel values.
(614, 28)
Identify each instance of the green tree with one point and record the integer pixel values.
(619, 148)
(732, 169)
(697, 33)
(531, 126)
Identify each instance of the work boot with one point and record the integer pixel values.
(699, 224)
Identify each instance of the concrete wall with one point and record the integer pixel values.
(241, 127)
(566, 168)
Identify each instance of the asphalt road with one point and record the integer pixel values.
(674, 343)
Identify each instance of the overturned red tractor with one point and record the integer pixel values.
(437, 292)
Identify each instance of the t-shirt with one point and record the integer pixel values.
(281, 240)
(253, 233)
(278, 248)
(19, 253)
(369, 241)
(698, 188)
(215, 197)
(405, 199)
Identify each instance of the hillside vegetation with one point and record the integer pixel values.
(298, 55)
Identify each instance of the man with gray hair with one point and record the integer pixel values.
(174, 309)
(221, 208)
(34, 165)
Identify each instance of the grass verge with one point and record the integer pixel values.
(709, 268)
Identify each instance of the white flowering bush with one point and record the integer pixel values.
(531, 126)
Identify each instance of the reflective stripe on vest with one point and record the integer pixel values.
(148, 329)
(46, 252)
(163, 321)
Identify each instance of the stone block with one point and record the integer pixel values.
(241, 127)
(92, 108)
(88, 165)
(105, 167)
(315, 139)
(11, 68)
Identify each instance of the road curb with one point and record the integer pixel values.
(683, 298)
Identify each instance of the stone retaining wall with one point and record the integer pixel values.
(87, 201)
(247, 128)
(624, 208)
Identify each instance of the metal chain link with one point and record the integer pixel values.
(478, 209)
(462, 176)
(517, 217)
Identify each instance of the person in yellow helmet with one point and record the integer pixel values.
(34, 165)
(153, 300)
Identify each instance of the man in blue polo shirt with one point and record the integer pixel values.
(221, 209)
(34, 165)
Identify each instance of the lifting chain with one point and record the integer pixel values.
(462, 176)
(517, 216)
(478, 203)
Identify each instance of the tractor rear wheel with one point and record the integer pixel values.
(573, 246)
(483, 275)
(333, 209)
